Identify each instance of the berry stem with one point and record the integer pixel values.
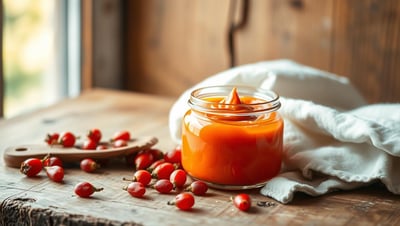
(97, 189)
(127, 179)
(171, 203)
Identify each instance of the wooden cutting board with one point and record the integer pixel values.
(13, 156)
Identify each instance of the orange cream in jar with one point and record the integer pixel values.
(232, 137)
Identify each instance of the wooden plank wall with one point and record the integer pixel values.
(171, 45)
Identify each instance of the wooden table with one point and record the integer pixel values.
(38, 201)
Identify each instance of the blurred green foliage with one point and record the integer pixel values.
(25, 53)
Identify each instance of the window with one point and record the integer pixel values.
(41, 57)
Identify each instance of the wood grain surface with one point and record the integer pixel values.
(39, 201)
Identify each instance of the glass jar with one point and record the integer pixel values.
(232, 146)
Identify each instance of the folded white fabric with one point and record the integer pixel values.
(332, 138)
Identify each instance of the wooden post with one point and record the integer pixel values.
(101, 44)
(87, 44)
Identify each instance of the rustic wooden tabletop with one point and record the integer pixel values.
(39, 201)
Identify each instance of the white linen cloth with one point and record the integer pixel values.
(332, 138)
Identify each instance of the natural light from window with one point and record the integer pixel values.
(33, 53)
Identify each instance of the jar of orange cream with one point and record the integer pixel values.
(232, 136)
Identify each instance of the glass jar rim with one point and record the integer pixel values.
(270, 99)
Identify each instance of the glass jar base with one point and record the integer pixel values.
(231, 187)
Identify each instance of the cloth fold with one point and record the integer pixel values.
(332, 138)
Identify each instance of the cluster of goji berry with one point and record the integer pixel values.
(53, 165)
(163, 172)
(50, 164)
(154, 169)
(92, 140)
